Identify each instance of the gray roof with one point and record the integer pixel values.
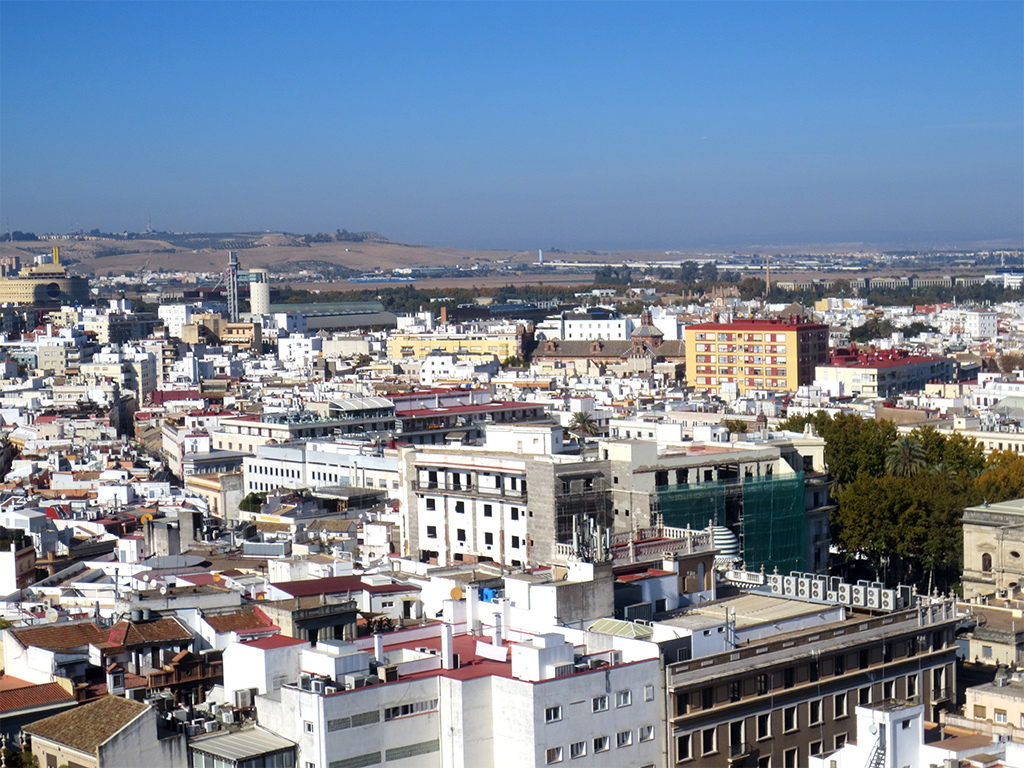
(241, 745)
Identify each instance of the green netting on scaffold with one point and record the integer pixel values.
(692, 504)
(774, 523)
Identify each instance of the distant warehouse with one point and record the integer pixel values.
(329, 316)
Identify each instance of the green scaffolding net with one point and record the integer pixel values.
(766, 513)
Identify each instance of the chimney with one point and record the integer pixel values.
(497, 630)
(447, 655)
(472, 606)
(378, 648)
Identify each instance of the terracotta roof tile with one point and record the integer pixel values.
(33, 696)
(161, 630)
(86, 727)
(237, 621)
(60, 636)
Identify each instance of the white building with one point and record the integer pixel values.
(319, 464)
(981, 324)
(469, 700)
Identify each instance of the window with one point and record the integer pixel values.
(789, 758)
(707, 697)
(431, 504)
(888, 689)
(554, 755)
(707, 741)
(734, 690)
(514, 513)
(839, 665)
(815, 748)
(577, 749)
(986, 651)
(602, 744)
(814, 672)
(308, 726)
(788, 677)
(864, 696)
(431, 531)
(905, 724)
(762, 684)
(864, 658)
(840, 740)
(648, 693)
(600, 703)
(623, 699)
(764, 726)
(840, 705)
(979, 712)
(911, 686)
(814, 709)
(789, 719)
(684, 748)
(488, 538)
(488, 510)
(623, 739)
(460, 534)
(986, 563)
(553, 714)
(515, 542)
(647, 733)
(460, 506)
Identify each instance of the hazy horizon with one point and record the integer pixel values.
(518, 126)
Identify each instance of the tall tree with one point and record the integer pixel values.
(905, 457)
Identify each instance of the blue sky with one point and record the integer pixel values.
(519, 125)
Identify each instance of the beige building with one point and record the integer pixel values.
(417, 346)
(997, 707)
(214, 329)
(766, 354)
(993, 548)
(44, 283)
(223, 492)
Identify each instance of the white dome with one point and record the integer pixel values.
(725, 541)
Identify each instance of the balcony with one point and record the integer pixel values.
(738, 753)
(470, 489)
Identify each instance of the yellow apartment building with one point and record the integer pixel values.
(777, 354)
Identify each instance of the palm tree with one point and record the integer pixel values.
(583, 425)
(905, 457)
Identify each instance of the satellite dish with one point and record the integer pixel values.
(456, 593)
(873, 729)
(146, 518)
(216, 577)
(163, 590)
(144, 577)
(51, 614)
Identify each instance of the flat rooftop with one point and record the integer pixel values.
(748, 610)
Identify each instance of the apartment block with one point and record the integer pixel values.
(755, 354)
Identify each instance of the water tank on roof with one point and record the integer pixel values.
(725, 541)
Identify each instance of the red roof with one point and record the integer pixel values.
(31, 696)
(336, 584)
(273, 642)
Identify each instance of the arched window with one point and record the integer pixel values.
(986, 563)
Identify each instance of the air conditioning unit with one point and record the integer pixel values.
(318, 686)
(210, 726)
(329, 689)
(354, 681)
(243, 698)
(614, 657)
(304, 682)
(227, 716)
(391, 673)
